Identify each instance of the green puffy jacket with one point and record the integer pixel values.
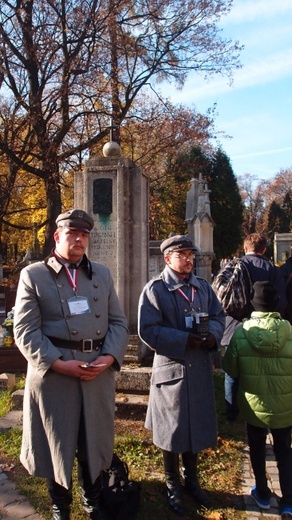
(260, 355)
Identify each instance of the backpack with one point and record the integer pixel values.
(233, 288)
(120, 496)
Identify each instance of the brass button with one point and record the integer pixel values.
(190, 365)
(98, 332)
(96, 285)
(74, 332)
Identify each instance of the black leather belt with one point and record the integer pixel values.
(85, 345)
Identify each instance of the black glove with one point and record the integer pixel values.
(195, 341)
(209, 342)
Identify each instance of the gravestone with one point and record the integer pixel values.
(114, 191)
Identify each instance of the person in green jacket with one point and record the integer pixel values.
(260, 355)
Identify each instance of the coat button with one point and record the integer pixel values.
(74, 332)
(98, 332)
(96, 285)
(190, 365)
(95, 298)
(97, 315)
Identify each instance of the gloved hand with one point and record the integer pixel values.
(209, 342)
(194, 340)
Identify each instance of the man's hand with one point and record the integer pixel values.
(209, 342)
(74, 368)
(195, 341)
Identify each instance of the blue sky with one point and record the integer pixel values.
(257, 109)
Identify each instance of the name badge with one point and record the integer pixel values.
(189, 322)
(78, 305)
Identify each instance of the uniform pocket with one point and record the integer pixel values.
(167, 373)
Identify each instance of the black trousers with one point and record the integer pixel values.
(283, 455)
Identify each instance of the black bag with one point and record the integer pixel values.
(233, 287)
(120, 496)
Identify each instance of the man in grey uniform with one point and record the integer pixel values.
(70, 327)
(181, 411)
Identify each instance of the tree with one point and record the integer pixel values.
(226, 206)
(67, 67)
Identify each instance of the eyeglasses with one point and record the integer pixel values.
(191, 256)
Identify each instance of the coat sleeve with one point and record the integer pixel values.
(116, 340)
(216, 315)
(158, 332)
(34, 346)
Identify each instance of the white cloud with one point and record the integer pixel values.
(256, 10)
(261, 71)
(263, 153)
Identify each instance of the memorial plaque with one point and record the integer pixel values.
(103, 196)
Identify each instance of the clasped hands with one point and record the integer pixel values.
(195, 341)
(85, 371)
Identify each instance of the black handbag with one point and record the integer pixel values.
(120, 496)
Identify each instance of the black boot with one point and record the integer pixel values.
(61, 499)
(192, 486)
(173, 486)
(91, 494)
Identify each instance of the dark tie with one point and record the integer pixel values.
(73, 266)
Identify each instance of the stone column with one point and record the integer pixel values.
(200, 226)
(114, 191)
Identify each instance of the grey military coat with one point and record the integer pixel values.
(181, 410)
(53, 402)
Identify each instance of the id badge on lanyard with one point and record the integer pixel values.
(77, 304)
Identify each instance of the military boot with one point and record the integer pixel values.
(191, 483)
(172, 478)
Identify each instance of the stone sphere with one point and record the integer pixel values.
(111, 149)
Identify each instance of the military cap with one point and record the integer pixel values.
(177, 243)
(75, 219)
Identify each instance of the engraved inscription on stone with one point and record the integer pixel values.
(103, 243)
(103, 196)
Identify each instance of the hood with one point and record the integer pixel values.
(267, 332)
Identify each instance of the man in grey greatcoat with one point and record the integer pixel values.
(70, 327)
(172, 321)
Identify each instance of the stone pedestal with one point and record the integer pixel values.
(114, 191)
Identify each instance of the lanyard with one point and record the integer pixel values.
(190, 302)
(72, 278)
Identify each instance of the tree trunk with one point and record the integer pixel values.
(54, 207)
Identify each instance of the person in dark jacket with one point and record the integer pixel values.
(181, 411)
(260, 356)
(259, 269)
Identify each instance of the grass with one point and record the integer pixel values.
(220, 468)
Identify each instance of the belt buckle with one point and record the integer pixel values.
(87, 345)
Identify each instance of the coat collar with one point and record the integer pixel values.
(55, 267)
(173, 282)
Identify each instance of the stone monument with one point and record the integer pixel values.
(201, 226)
(114, 191)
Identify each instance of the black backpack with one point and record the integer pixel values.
(233, 288)
(120, 496)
